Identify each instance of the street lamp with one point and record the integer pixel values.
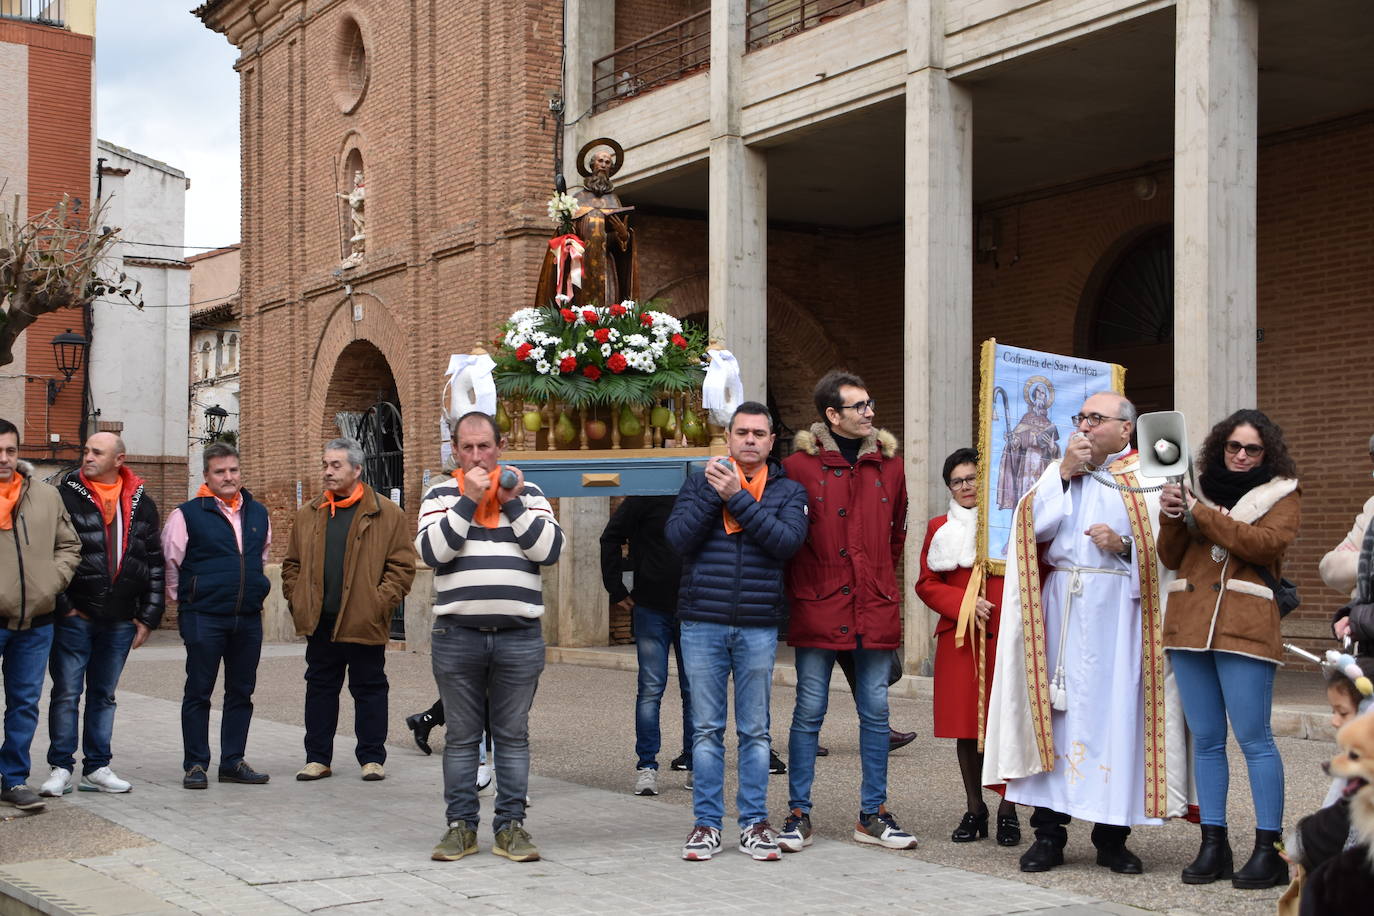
(215, 416)
(68, 350)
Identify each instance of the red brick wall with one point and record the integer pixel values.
(635, 19)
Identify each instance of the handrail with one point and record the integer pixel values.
(46, 12)
(659, 57)
(779, 19)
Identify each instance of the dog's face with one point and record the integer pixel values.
(1355, 763)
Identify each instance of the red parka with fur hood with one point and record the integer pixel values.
(842, 584)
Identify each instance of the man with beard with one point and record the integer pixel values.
(601, 225)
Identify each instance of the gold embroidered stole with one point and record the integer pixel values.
(1151, 634)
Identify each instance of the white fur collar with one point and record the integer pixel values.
(955, 543)
(1253, 505)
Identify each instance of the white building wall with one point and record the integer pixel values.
(14, 177)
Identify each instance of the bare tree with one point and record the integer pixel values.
(52, 262)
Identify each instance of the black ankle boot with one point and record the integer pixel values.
(1266, 867)
(420, 725)
(972, 827)
(1213, 860)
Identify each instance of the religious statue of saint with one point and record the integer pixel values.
(1031, 446)
(605, 243)
(357, 200)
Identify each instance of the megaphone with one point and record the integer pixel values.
(1163, 438)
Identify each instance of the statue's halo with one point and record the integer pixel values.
(586, 149)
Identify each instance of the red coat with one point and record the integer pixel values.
(843, 581)
(956, 674)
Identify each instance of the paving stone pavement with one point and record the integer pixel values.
(342, 845)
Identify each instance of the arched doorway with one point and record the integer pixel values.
(1127, 315)
(362, 404)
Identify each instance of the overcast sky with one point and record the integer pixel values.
(166, 88)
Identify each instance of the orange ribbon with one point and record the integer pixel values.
(107, 496)
(232, 502)
(9, 498)
(488, 513)
(754, 488)
(333, 502)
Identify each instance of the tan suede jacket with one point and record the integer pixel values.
(1219, 601)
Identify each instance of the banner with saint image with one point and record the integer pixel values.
(1025, 400)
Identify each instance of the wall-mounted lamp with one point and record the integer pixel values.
(69, 350)
(215, 416)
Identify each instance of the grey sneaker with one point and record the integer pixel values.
(702, 843)
(880, 829)
(796, 831)
(646, 781)
(23, 798)
(459, 841)
(513, 842)
(757, 840)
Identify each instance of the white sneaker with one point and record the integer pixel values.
(646, 781)
(486, 785)
(58, 784)
(104, 780)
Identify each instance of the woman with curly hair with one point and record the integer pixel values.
(1221, 627)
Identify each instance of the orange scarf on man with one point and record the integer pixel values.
(333, 502)
(488, 513)
(107, 496)
(206, 491)
(9, 498)
(754, 488)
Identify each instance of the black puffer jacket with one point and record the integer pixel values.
(736, 579)
(135, 593)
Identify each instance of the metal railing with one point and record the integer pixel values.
(47, 12)
(773, 20)
(655, 59)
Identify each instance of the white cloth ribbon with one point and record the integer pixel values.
(955, 543)
(722, 391)
(469, 385)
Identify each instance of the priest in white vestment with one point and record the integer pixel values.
(1078, 721)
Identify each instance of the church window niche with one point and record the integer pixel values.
(1127, 315)
(352, 197)
(351, 70)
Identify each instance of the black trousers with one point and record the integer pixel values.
(326, 664)
(1053, 826)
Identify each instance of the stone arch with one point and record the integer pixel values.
(377, 328)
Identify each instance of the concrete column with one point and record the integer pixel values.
(1216, 76)
(737, 246)
(589, 30)
(579, 603)
(937, 401)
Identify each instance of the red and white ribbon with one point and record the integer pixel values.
(567, 251)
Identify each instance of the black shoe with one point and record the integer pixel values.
(1042, 856)
(972, 827)
(896, 739)
(1265, 868)
(775, 765)
(682, 762)
(195, 778)
(243, 773)
(822, 751)
(1120, 860)
(420, 725)
(1213, 860)
(1008, 830)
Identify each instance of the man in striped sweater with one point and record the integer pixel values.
(486, 541)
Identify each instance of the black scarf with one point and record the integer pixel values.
(1225, 488)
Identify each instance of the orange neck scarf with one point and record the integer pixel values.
(754, 488)
(206, 491)
(333, 502)
(488, 513)
(107, 495)
(9, 498)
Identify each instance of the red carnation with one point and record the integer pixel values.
(617, 310)
(567, 364)
(646, 319)
(679, 341)
(603, 335)
(589, 316)
(592, 373)
(568, 314)
(616, 363)
(522, 352)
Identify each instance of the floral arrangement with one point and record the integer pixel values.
(625, 353)
(562, 206)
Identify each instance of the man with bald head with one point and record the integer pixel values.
(113, 602)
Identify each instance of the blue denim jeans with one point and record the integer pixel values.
(655, 632)
(90, 654)
(473, 667)
(871, 669)
(711, 653)
(235, 640)
(1213, 686)
(23, 656)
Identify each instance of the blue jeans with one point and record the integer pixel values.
(235, 640)
(1214, 685)
(93, 654)
(655, 632)
(23, 655)
(473, 668)
(711, 653)
(814, 666)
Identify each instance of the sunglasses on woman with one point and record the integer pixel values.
(1254, 451)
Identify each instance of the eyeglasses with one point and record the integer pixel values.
(958, 483)
(868, 406)
(1094, 419)
(1254, 451)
